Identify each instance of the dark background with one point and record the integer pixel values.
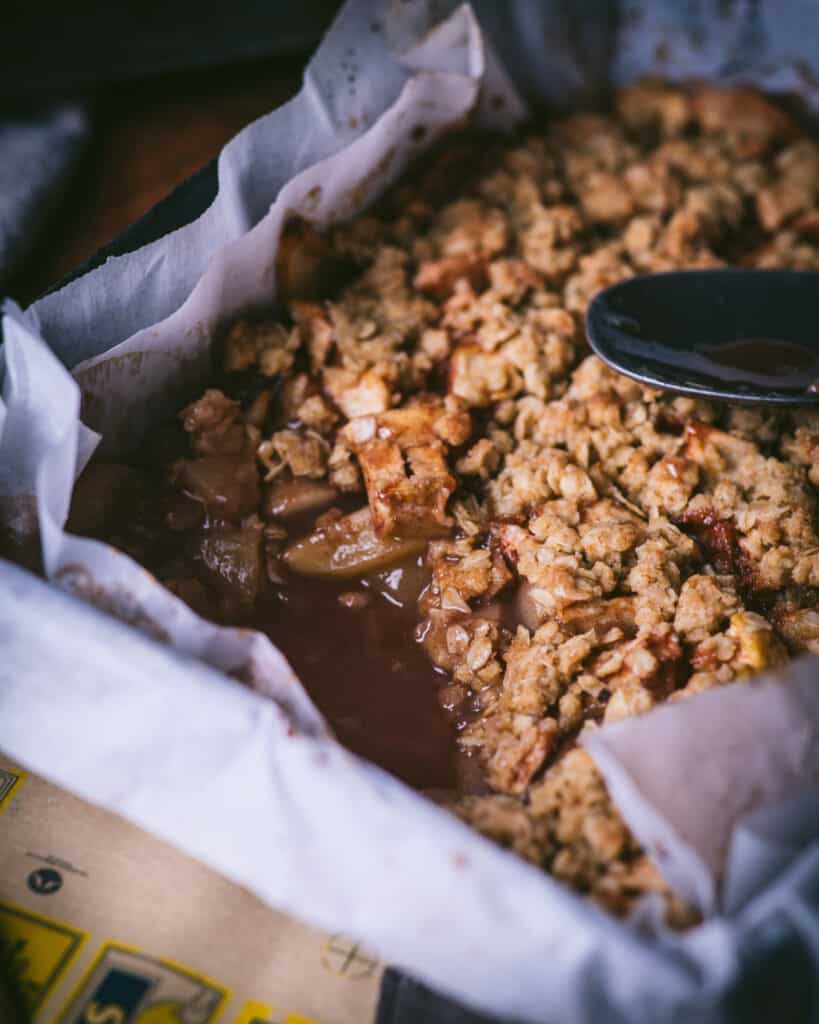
(53, 47)
(165, 85)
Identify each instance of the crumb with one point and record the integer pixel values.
(594, 547)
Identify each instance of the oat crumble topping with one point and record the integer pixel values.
(591, 546)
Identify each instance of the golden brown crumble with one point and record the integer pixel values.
(593, 546)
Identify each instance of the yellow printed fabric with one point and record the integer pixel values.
(261, 1013)
(34, 953)
(10, 780)
(124, 986)
(255, 1013)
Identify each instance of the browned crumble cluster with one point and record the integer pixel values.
(593, 546)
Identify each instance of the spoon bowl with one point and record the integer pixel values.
(732, 334)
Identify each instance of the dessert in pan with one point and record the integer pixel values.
(472, 540)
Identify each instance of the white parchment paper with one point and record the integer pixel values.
(720, 788)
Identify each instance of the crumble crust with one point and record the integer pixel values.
(594, 546)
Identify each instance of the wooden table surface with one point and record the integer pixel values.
(148, 137)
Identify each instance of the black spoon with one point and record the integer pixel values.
(749, 336)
